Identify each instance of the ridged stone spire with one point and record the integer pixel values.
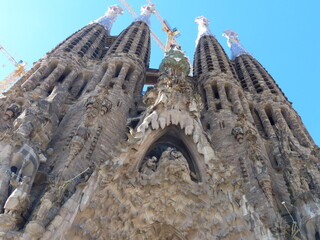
(233, 42)
(110, 17)
(146, 11)
(203, 27)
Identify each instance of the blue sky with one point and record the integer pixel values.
(282, 35)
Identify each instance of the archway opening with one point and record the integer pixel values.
(175, 139)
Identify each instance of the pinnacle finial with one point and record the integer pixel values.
(203, 27)
(146, 11)
(175, 62)
(234, 44)
(110, 17)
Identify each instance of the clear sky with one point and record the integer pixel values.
(282, 34)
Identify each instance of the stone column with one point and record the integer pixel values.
(265, 122)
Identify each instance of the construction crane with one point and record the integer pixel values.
(15, 75)
(172, 33)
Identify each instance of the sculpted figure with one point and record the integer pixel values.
(26, 162)
(18, 200)
(238, 133)
(150, 166)
(76, 144)
(36, 124)
(173, 166)
(95, 105)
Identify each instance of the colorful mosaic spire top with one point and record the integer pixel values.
(146, 11)
(203, 27)
(110, 17)
(233, 42)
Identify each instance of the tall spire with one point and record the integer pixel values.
(110, 17)
(233, 42)
(203, 27)
(146, 11)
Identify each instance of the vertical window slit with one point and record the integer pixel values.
(128, 75)
(215, 91)
(117, 71)
(268, 111)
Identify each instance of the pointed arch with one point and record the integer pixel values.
(172, 136)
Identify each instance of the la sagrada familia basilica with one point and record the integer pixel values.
(218, 153)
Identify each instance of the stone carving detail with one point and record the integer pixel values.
(76, 144)
(12, 111)
(149, 166)
(238, 133)
(94, 142)
(18, 200)
(172, 166)
(263, 177)
(96, 105)
(36, 124)
(15, 205)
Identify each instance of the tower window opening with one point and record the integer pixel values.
(218, 106)
(141, 42)
(227, 89)
(78, 38)
(257, 120)
(50, 69)
(118, 41)
(75, 88)
(240, 74)
(231, 66)
(129, 42)
(128, 75)
(85, 82)
(264, 75)
(317, 236)
(147, 54)
(117, 71)
(215, 91)
(268, 111)
(208, 56)
(50, 90)
(220, 59)
(205, 100)
(64, 75)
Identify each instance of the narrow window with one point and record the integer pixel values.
(130, 71)
(268, 111)
(215, 91)
(204, 95)
(257, 119)
(227, 89)
(64, 75)
(117, 71)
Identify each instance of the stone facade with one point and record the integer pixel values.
(219, 155)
